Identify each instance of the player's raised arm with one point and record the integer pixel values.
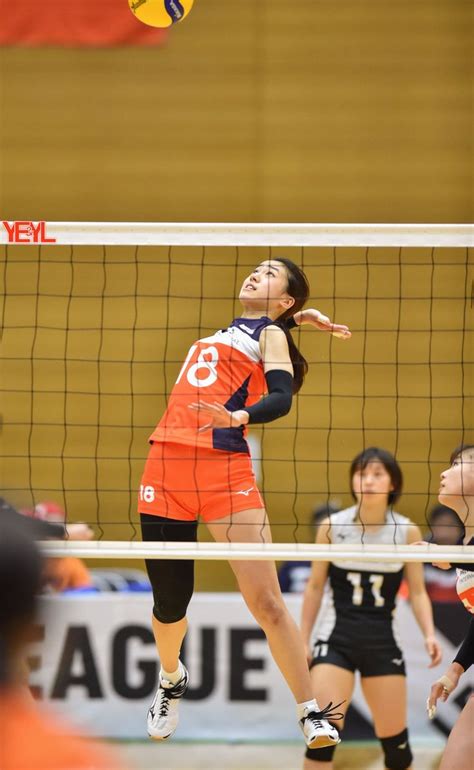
(319, 321)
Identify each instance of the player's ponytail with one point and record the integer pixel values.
(298, 288)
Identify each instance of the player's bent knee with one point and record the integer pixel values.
(171, 606)
(168, 614)
(267, 609)
(322, 755)
(397, 751)
(173, 587)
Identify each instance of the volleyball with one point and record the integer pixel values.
(160, 13)
(465, 589)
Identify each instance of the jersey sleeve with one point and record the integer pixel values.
(465, 654)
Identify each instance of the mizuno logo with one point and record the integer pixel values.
(398, 662)
(246, 328)
(245, 492)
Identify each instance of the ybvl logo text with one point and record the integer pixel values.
(24, 231)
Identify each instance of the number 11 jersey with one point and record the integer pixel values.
(362, 595)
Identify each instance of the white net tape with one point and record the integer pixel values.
(258, 551)
(255, 234)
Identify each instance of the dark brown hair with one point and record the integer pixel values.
(459, 450)
(298, 288)
(374, 454)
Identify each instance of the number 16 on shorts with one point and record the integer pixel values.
(146, 493)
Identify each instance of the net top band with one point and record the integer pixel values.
(136, 549)
(241, 234)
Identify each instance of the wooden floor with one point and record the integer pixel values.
(285, 756)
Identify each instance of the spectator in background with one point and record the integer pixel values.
(35, 527)
(65, 573)
(47, 520)
(30, 738)
(446, 528)
(293, 575)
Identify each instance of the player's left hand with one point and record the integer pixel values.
(219, 416)
(322, 322)
(434, 650)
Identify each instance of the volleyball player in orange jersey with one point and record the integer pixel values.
(199, 465)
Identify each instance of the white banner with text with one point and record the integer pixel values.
(95, 661)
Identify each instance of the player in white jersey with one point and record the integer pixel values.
(457, 492)
(356, 631)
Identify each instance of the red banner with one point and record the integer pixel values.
(70, 23)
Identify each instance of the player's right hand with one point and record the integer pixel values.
(443, 687)
(439, 564)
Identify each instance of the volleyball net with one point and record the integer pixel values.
(96, 327)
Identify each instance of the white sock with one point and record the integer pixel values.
(303, 708)
(173, 676)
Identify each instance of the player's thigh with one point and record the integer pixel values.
(250, 526)
(461, 740)
(332, 683)
(386, 697)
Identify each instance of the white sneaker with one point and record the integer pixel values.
(317, 731)
(163, 713)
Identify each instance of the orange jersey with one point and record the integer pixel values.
(226, 367)
(33, 739)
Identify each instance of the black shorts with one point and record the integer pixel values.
(369, 661)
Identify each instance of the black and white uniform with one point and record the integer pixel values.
(465, 654)
(356, 624)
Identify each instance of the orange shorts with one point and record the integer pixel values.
(184, 482)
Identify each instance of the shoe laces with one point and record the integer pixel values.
(328, 712)
(164, 702)
(171, 693)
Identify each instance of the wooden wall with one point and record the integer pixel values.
(254, 111)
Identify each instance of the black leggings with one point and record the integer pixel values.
(172, 580)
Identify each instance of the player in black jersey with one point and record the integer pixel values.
(355, 629)
(457, 492)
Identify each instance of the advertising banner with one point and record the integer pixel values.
(95, 661)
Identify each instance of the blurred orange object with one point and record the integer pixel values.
(81, 24)
(65, 574)
(33, 739)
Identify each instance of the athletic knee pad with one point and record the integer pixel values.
(322, 755)
(172, 580)
(168, 611)
(172, 591)
(397, 751)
